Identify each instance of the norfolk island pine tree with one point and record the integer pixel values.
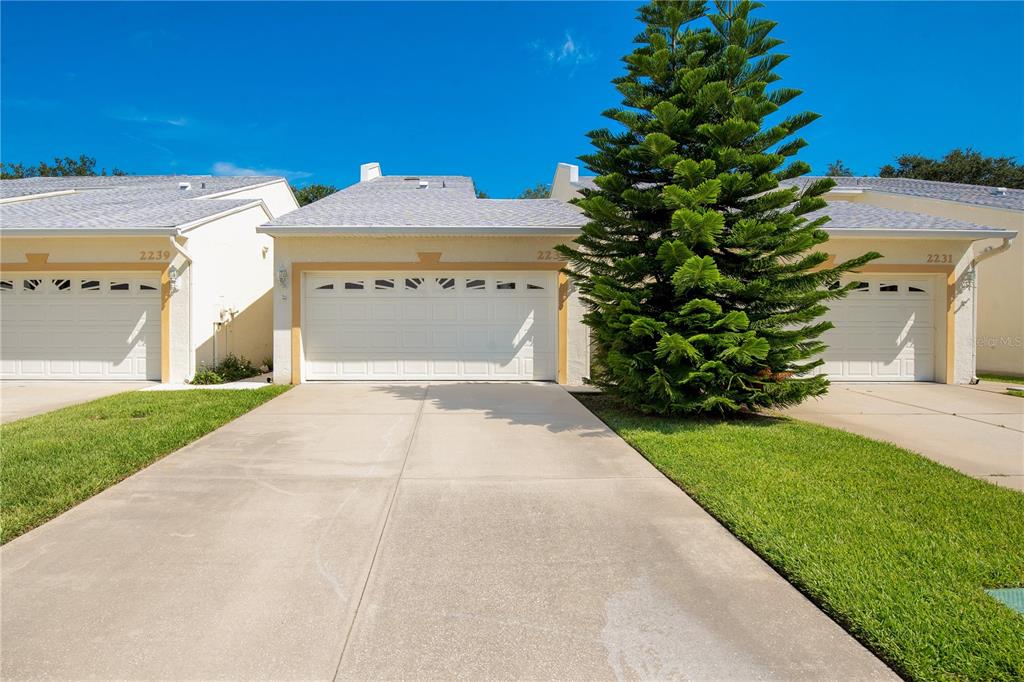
(702, 283)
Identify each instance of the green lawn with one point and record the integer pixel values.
(51, 462)
(1008, 378)
(1015, 392)
(894, 547)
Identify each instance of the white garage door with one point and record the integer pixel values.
(79, 326)
(884, 331)
(430, 325)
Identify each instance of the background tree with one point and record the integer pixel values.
(838, 169)
(538, 191)
(960, 165)
(701, 277)
(61, 167)
(310, 193)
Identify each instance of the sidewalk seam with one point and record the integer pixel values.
(380, 537)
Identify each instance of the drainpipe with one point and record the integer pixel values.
(984, 255)
(994, 250)
(191, 299)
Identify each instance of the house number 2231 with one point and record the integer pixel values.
(547, 255)
(940, 258)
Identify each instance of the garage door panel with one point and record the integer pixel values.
(444, 312)
(414, 312)
(384, 339)
(415, 368)
(69, 326)
(415, 338)
(474, 340)
(476, 311)
(883, 332)
(354, 311)
(386, 311)
(320, 310)
(432, 326)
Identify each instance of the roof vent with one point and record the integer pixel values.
(202, 185)
(423, 184)
(185, 185)
(999, 191)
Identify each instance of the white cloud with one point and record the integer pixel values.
(229, 168)
(570, 53)
(135, 116)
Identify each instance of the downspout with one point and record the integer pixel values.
(994, 250)
(191, 300)
(984, 255)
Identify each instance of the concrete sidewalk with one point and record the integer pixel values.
(384, 532)
(974, 430)
(20, 399)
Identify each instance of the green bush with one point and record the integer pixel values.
(232, 368)
(205, 377)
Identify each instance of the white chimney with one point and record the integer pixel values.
(574, 172)
(369, 171)
(563, 185)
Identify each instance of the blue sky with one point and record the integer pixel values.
(499, 91)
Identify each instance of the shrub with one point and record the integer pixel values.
(205, 377)
(234, 368)
(231, 368)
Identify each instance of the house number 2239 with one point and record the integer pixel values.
(940, 258)
(154, 255)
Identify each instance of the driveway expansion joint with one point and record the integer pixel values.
(383, 529)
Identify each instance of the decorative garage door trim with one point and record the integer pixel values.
(40, 263)
(429, 262)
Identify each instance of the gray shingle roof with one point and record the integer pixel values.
(857, 215)
(121, 202)
(853, 214)
(445, 202)
(1012, 199)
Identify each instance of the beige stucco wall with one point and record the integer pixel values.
(1001, 309)
(1000, 279)
(288, 250)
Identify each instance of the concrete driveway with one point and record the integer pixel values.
(20, 399)
(406, 532)
(970, 428)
